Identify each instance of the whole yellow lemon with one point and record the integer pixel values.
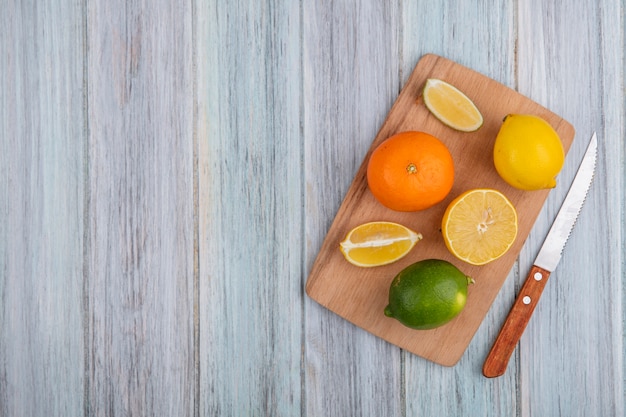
(528, 153)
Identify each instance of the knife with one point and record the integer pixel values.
(545, 263)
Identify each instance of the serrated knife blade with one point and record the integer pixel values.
(545, 263)
(552, 248)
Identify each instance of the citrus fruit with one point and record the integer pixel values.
(427, 294)
(453, 108)
(528, 153)
(410, 171)
(479, 226)
(378, 243)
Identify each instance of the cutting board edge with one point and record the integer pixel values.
(386, 129)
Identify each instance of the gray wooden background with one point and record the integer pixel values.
(169, 169)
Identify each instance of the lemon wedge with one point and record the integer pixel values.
(453, 108)
(479, 226)
(378, 243)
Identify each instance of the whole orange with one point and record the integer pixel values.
(410, 171)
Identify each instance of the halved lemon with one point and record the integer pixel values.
(378, 243)
(479, 226)
(453, 108)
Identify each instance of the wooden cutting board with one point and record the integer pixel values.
(360, 294)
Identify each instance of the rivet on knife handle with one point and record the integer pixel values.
(498, 358)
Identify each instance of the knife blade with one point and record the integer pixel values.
(545, 263)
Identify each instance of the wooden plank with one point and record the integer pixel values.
(250, 207)
(119, 223)
(41, 209)
(141, 216)
(480, 35)
(351, 79)
(573, 346)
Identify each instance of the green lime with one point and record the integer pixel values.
(427, 294)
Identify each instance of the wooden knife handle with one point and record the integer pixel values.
(516, 321)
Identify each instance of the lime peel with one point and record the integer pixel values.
(427, 294)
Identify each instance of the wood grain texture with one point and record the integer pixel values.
(168, 172)
(250, 208)
(350, 68)
(516, 321)
(574, 345)
(41, 209)
(455, 33)
(360, 295)
(140, 210)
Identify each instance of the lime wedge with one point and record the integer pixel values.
(453, 108)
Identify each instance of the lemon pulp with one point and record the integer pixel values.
(378, 243)
(479, 226)
(452, 107)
